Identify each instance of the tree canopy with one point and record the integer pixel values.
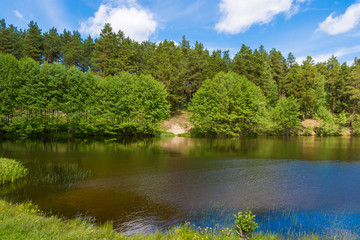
(228, 104)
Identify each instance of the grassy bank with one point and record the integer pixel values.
(26, 221)
(10, 170)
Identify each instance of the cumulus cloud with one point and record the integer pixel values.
(343, 23)
(342, 52)
(175, 43)
(19, 15)
(129, 17)
(239, 15)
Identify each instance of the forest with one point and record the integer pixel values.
(58, 82)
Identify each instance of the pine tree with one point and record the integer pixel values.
(105, 53)
(195, 69)
(310, 88)
(73, 51)
(345, 78)
(242, 63)
(278, 66)
(262, 75)
(52, 46)
(215, 64)
(290, 61)
(353, 89)
(126, 59)
(334, 82)
(33, 42)
(165, 65)
(11, 40)
(88, 51)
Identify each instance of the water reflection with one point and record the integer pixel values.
(145, 184)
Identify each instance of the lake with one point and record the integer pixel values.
(292, 184)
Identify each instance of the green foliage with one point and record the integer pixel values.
(105, 52)
(286, 115)
(72, 53)
(267, 125)
(27, 108)
(330, 125)
(355, 126)
(131, 104)
(334, 82)
(51, 99)
(353, 89)
(245, 224)
(11, 170)
(341, 119)
(324, 114)
(165, 65)
(33, 42)
(52, 46)
(228, 105)
(329, 129)
(308, 131)
(11, 40)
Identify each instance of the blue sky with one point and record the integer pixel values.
(318, 28)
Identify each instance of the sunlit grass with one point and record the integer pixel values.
(11, 170)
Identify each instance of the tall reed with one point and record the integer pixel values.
(10, 170)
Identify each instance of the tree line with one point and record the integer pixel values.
(327, 90)
(53, 99)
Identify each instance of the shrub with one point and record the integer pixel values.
(308, 131)
(245, 224)
(355, 124)
(286, 115)
(341, 119)
(131, 105)
(329, 129)
(331, 125)
(227, 105)
(324, 114)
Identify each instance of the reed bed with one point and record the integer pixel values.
(11, 170)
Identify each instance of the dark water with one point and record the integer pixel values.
(292, 184)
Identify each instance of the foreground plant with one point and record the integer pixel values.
(10, 170)
(245, 224)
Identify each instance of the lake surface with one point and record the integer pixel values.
(292, 184)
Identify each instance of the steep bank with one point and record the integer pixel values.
(178, 123)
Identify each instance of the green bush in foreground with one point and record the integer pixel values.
(245, 224)
(10, 170)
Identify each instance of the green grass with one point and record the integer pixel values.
(166, 134)
(26, 221)
(11, 170)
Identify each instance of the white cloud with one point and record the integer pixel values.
(240, 15)
(342, 52)
(19, 15)
(343, 23)
(129, 17)
(175, 43)
(350, 62)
